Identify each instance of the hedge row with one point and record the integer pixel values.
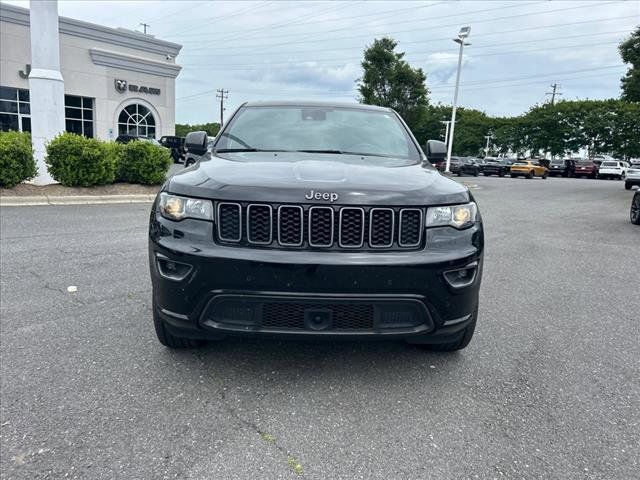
(77, 161)
(74, 160)
(16, 158)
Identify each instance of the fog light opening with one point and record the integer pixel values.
(171, 269)
(462, 277)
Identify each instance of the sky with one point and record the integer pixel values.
(311, 50)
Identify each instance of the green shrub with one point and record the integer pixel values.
(75, 160)
(143, 162)
(113, 151)
(16, 158)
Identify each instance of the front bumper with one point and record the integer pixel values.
(254, 291)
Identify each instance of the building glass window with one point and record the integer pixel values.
(136, 120)
(78, 115)
(14, 109)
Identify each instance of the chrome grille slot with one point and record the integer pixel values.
(290, 225)
(259, 224)
(351, 227)
(381, 225)
(321, 226)
(229, 222)
(410, 232)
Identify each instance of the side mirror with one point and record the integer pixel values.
(196, 142)
(436, 151)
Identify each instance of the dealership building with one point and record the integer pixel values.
(100, 82)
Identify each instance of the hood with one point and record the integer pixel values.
(291, 177)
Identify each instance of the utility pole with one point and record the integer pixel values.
(486, 149)
(222, 95)
(145, 26)
(446, 134)
(553, 93)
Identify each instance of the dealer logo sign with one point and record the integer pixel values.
(121, 85)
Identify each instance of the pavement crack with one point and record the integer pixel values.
(291, 461)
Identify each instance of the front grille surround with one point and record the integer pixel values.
(226, 221)
(320, 231)
(322, 227)
(375, 229)
(404, 212)
(287, 230)
(254, 224)
(342, 228)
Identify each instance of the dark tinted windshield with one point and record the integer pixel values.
(557, 162)
(318, 129)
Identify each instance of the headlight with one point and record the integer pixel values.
(458, 216)
(174, 207)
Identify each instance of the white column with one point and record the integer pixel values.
(46, 86)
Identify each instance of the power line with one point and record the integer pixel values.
(350, 28)
(485, 84)
(180, 31)
(282, 65)
(447, 38)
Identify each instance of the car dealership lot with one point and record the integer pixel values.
(548, 388)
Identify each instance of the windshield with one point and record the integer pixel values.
(585, 162)
(609, 164)
(557, 162)
(332, 130)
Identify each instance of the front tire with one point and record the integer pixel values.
(168, 339)
(627, 186)
(635, 209)
(545, 175)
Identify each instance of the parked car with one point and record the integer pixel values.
(496, 166)
(176, 145)
(633, 177)
(634, 213)
(131, 138)
(317, 234)
(563, 167)
(528, 169)
(454, 165)
(612, 169)
(586, 168)
(468, 166)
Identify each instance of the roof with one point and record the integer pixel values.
(306, 103)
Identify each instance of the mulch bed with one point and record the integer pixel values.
(27, 190)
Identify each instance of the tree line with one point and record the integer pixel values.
(609, 126)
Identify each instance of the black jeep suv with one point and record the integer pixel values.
(315, 220)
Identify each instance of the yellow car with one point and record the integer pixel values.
(528, 169)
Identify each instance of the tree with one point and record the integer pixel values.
(630, 53)
(183, 128)
(389, 81)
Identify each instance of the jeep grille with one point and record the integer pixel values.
(319, 226)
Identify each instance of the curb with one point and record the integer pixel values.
(74, 200)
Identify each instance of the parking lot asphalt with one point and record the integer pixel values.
(548, 388)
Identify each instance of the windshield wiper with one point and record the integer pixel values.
(233, 150)
(337, 152)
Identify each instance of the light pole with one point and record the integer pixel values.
(462, 35)
(446, 133)
(486, 149)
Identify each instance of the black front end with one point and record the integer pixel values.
(311, 269)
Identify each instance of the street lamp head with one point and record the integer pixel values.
(464, 32)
